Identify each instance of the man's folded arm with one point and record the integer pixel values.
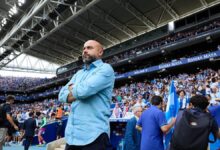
(100, 80)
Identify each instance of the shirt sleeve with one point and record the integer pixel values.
(35, 123)
(8, 109)
(24, 126)
(44, 122)
(98, 81)
(161, 119)
(129, 134)
(214, 129)
(64, 92)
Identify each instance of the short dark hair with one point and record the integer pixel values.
(31, 114)
(10, 97)
(182, 91)
(213, 79)
(156, 100)
(199, 101)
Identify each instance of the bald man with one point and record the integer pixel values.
(90, 93)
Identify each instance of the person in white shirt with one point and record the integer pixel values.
(140, 102)
(215, 95)
(117, 111)
(183, 100)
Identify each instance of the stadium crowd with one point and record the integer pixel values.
(22, 84)
(19, 83)
(169, 39)
(175, 37)
(205, 82)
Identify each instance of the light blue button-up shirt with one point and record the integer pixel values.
(89, 116)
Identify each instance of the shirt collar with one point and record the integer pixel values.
(155, 107)
(96, 63)
(136, 118)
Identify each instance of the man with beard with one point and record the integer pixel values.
(90, 93)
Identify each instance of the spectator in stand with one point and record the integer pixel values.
(52, 117)
(183, 101)
(117, 112)
(59, 113)
(215, 94)
(140, 102)
(126, 109)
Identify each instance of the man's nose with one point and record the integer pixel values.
(85, 51)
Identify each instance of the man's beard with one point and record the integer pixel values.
(88, 60)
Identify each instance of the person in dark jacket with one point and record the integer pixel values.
(29, 128)
(195, 126)
(132, 135)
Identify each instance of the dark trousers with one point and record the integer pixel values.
(27, 142)
(101, 143)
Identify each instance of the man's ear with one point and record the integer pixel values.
(101, 51)
(190, 105)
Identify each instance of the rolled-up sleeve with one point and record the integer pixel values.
(64, 92)
(161, 119)
(98, 81)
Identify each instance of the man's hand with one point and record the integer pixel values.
(16, 127)
(70, 88)
(9, 118)
(167, 127)
(173, 121)
(70, 97)
(138, 128)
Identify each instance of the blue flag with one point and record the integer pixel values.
(171, 110)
